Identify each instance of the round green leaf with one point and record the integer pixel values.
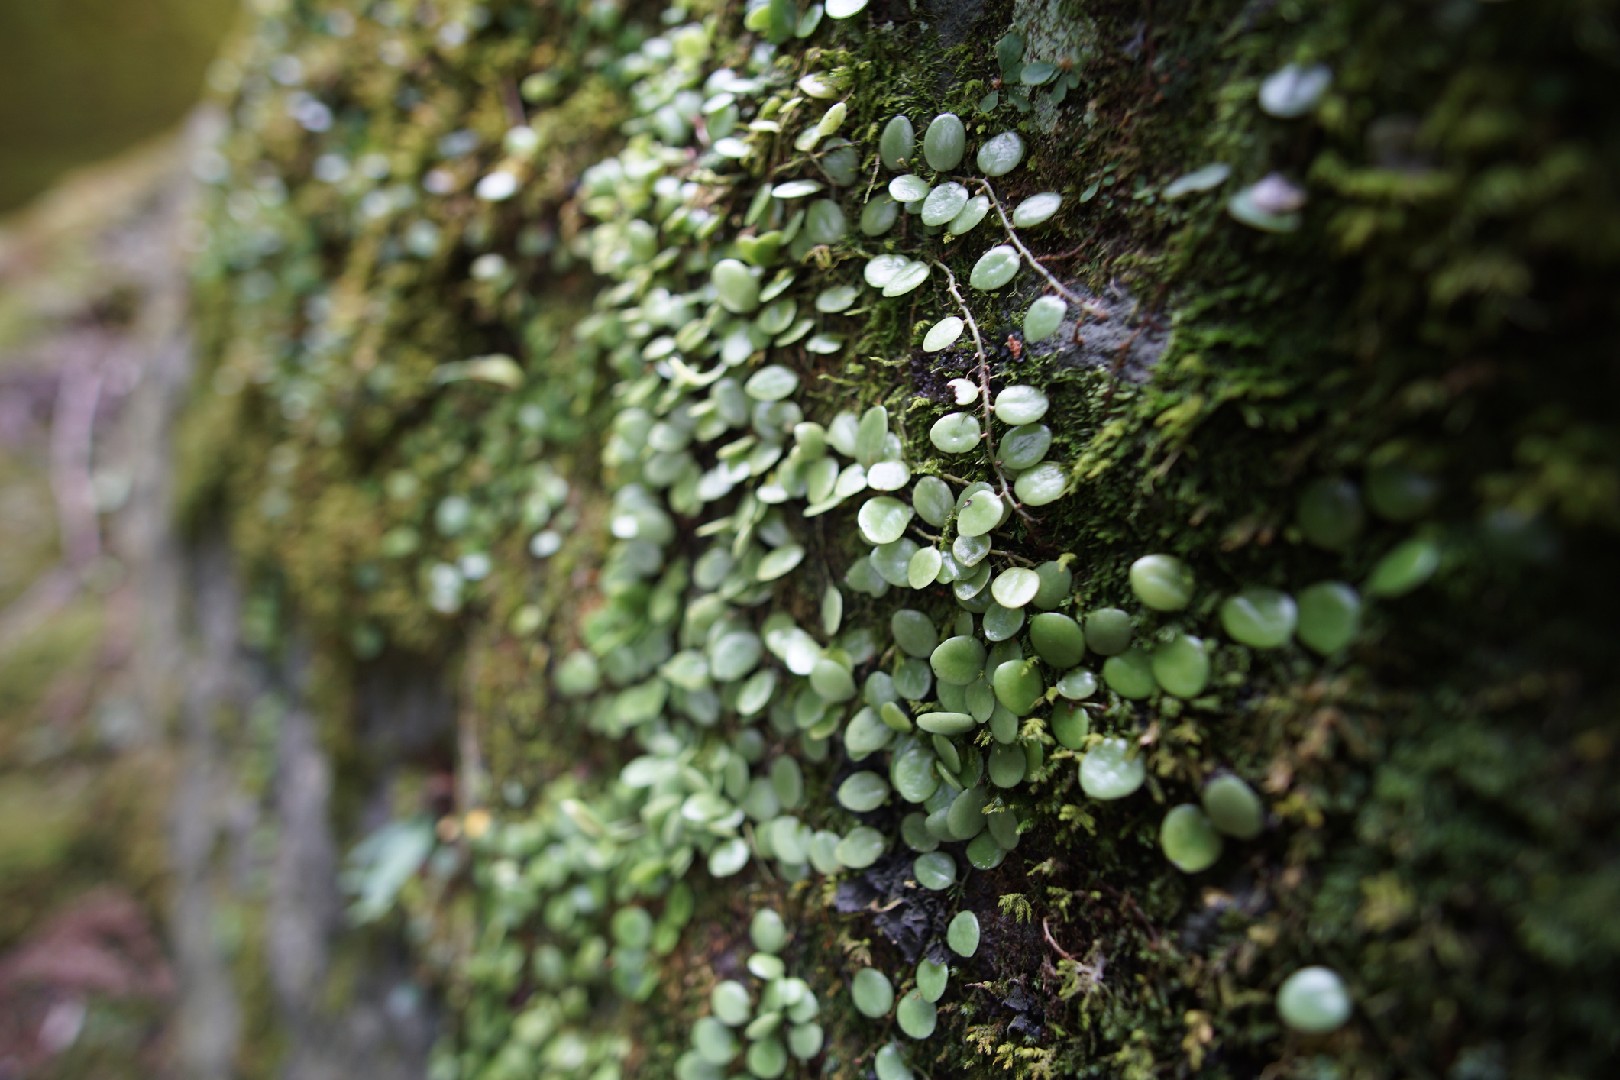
(728, 857)
(861, 848)
(897, 142)
(872, 992)
(943, 334)
(1007, 765)
(969, 216)
(912, 772)
(779, 562)
(1130, 674)
(1314, 1000)
(767, 1058)
(887, 476)
(863, 792)
(805, 1041)
(914, 632)
(890, 1064)
(1233, 807)
(1001, 623)
(1077, 685)
(824, 222)
(1036, 209)
(882, 269)
(767, 931)
(1015, 586)
(1406, 566)
(943, 203)
(995, 268)
(1020, 404)
(909, 278)
(1001, 154)
(955, 433)
(1110, 771)
(1070, 725)
(730, 1003)
(883, 519)
(1293, 90)
(932, 977)
(1018, 685)
(916, 1015)
(944, 142)
(946, 723)
(983, 512)
(962, 935)
(1329, 616)
(908, 188)
(1043, 318)
(1188, 839)
(958, 660)
(1162, 582)
(924, 567)
(1058, 639)
(837, 298)
(1023, 447)
(1108, 631)
(933, 500)
(878, 215)
(735, 285)
(1043, 484)
(713, 1041)
(1260, 618)
(1181, 665)
(935, 871)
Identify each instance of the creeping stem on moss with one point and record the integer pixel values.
(984, 388)
(1012, 235)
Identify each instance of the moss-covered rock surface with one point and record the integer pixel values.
(1045, 539)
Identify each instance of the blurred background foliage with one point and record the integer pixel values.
(86, 78)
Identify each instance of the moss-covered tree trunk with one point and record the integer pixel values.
(1139, 478)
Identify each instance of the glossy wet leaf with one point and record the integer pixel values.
(728, 858)
(943, 203)
(1314, 1000)
(888, 476)
(1019, 404)
(1036, 209)
(1001, 623)
(1162, 582)
(1001, 154)
(883, 519)
(795, 189)
(1329, 616)
(882, 269)
(1259, 617)
(897, 143)
(908, 188)
(943, 334)
(1188, 839)
(1406, 566)
(837, 298)
(944, 142)
(872, 993)
(1233, 807)
(983, 512)
(1043, 318)
(995, 268)
(1206, 178)
(934, 871)
(1015, 586)
(908, 278)
(962, 935)
(932, 977)
(955, 433)
(1111, 771)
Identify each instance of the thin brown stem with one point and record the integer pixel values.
(1061, 289)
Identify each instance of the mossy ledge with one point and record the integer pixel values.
(479, 396)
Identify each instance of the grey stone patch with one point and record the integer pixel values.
(1112, 330)
(953, 19)
(1054, 31)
